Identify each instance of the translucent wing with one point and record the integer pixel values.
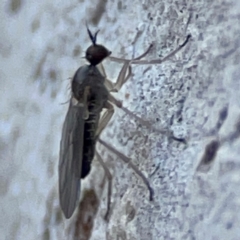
(70, 163)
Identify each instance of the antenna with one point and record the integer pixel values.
(93, 38)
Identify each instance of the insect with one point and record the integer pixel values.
(83, 125)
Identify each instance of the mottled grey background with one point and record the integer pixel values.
(195, 95)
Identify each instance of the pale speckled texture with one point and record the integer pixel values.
(41, 45)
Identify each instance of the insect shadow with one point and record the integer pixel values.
(83, 124)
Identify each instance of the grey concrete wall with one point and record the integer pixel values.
(195, 95)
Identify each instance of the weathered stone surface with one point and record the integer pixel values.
(195, 95)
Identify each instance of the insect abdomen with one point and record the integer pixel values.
(90, 129)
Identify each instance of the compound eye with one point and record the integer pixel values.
(88, 56)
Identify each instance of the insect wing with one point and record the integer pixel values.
(70, 164)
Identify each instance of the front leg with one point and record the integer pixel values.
(154, 61)
(124, 74)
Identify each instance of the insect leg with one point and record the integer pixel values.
(118, 103)
(105, 118)
(144, 122)
(135, 169)
(108, 83)
(148, 124)
(126, 72)
(123, 76)
(154, 61)
(120, 60)
(103, 122)
(109, 176)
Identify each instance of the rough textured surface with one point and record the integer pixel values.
(195, 94)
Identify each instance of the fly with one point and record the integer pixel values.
(82, 126)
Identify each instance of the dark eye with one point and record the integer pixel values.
(88, 56)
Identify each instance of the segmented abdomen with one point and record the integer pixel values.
(90, 128)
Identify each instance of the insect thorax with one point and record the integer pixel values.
(90, 77)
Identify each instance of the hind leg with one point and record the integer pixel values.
(109, 177)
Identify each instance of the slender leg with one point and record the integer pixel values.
(126, 70)
(123, 76)
(105, 118)
(102, 70)
(110, 110)
(115, 101)
(125, 73)
(120, 60)
(109, 176)
(148, 124)
(109, 84)
(154, 61)
(118, 103)
(135, 169)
